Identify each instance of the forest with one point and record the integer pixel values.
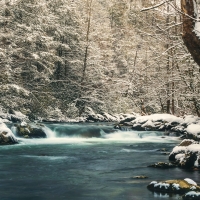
(60, 57)
(99, 99)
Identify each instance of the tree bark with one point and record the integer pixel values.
(190, 38)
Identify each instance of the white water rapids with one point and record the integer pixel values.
(114, 137)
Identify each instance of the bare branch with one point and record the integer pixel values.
(155, 6)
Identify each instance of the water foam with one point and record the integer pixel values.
(49, 132)
(116, 137)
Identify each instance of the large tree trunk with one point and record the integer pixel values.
(191, 40)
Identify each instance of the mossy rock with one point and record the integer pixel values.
(30, 131)
(172, 186)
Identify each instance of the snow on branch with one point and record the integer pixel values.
(155, 6)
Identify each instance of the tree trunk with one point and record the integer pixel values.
(190, 38)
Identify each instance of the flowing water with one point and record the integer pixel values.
(69, 165)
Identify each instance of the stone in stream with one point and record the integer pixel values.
(7, 139)
(6, 135)
(163, 165)
(174, 186)
(30, 130)
(186, 154)
(139, 177)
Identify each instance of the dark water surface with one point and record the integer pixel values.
(86, 169)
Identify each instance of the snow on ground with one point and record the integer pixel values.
(193, 129)
(190, 119)
(158, 117)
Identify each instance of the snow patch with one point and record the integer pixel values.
(4, 128)
(158, 117)
(193, 129)
(190, 181)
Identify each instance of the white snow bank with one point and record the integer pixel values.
(193, 129)
(189, 119)
(158, 117)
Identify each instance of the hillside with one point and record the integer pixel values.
(59, 57)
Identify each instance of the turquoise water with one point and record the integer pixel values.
(68, 166)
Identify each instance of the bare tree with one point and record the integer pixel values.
(190, 37)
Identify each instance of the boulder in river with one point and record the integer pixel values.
(163, 165)
(30, 130)
(6, 135)
(186, 154)
(174, 186)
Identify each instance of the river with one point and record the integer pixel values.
(66, 165)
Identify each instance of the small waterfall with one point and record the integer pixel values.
(14, 130)
(126, 129)
(102, 132)
(49, 132)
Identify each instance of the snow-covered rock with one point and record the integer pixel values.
(178, 129)
(191, 119)
(162, 165)
(160, 122)
(186, 154)
(128, 118)
(17, 116)
(109, 117)
(167, 118)
(148, 125)
(174, 186)
(25, 130)
(6, 135)
(193, 131)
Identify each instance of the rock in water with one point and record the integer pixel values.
(162, 165)
(186, 154)
(139, 177)
(6, 135)
(173, 186)
(30, 131)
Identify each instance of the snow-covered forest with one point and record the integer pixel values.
(66, 55)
